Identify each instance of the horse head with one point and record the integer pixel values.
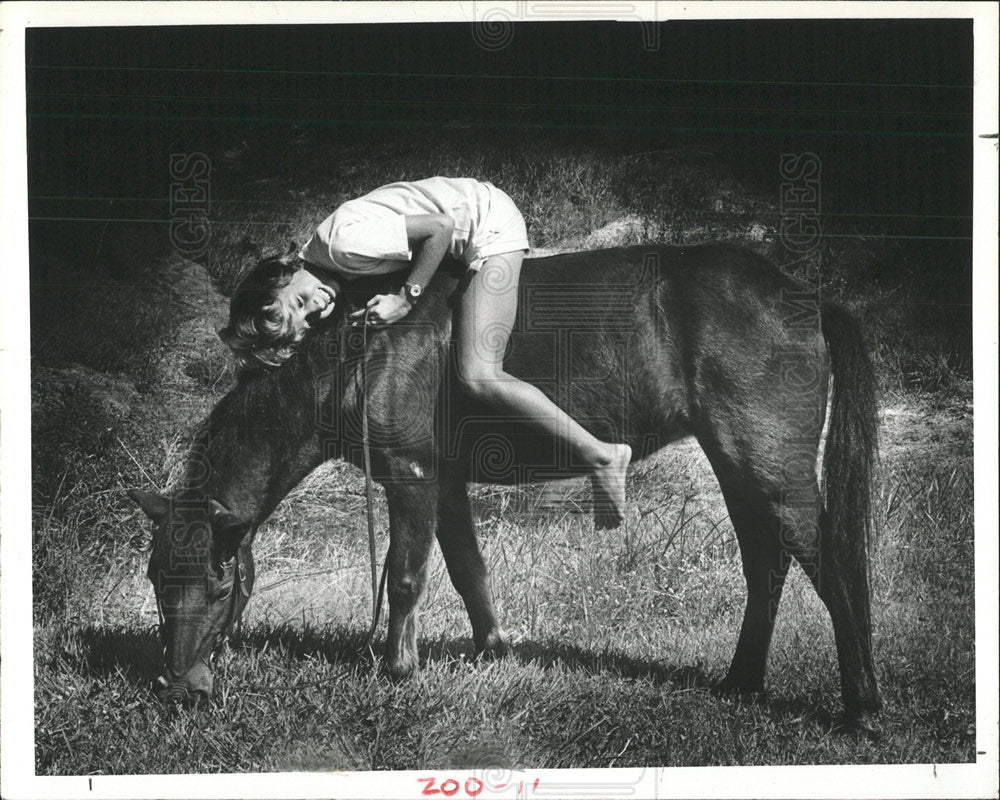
(202, 570)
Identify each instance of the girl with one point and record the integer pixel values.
(410, 226)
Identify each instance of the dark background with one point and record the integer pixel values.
(885, 104)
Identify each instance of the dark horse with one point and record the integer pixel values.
(643, 345)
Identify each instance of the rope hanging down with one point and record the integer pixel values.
(378, 586)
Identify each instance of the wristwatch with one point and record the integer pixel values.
(413, 291)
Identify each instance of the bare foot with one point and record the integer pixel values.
(608, 483)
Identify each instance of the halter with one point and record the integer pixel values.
(234, 571)
(177, 689)
(239, 577)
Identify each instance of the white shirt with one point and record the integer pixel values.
(367, 236)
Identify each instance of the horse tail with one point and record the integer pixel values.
(852, 442)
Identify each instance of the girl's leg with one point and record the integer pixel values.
(484, 320)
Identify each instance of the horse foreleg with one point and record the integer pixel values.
(456, 534)
(412, 520)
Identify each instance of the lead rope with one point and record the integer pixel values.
(378, 586)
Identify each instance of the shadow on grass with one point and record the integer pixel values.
(548, 654)
(678, 678)
(105, 652)
(347, 647)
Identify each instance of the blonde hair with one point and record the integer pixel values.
(260, 331)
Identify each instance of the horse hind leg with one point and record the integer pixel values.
(777, 511)
(840, 578)
(842, 585)
(764, 569)
(775, 516)
(456, 534)
(765, 566)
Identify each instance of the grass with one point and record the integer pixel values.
(617, 636)
(617, 640)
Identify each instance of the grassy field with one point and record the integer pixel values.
(617, 636)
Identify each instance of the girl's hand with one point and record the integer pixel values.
(383, 309)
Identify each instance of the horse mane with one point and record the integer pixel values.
(269, 409)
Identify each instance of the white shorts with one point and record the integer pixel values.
(503, 231)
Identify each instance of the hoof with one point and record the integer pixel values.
(495, 647)
(400, 669)
(739, 690)
(193, 701)
(864, 724)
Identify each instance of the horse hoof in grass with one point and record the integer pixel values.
(401, 668)
(863, 724)
(495, 647)
(739, 691)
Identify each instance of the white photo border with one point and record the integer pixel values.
(16, 679)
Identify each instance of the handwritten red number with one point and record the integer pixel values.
(449, 787)
(468, 787)
(429, 788)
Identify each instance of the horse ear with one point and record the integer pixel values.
(291, 253)
(155, 505)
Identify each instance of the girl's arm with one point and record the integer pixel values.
(430, 235)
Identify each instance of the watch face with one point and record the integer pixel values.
(414, 289)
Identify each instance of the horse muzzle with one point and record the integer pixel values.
(193, 689)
